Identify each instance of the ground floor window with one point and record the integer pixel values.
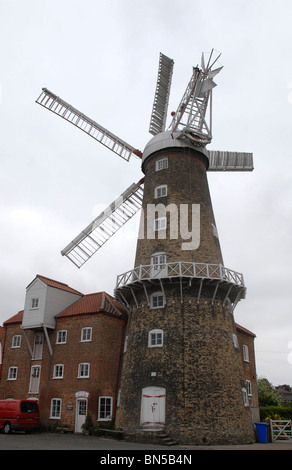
(105, 406)
(56, 404)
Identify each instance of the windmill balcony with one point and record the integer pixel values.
(186, 273)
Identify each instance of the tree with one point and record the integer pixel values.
(268, 395)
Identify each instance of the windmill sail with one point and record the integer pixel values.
(229, 161)
(53, 103)
(161, 97)
(103, 227)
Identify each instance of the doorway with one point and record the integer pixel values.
(81, 412)
(153, 408)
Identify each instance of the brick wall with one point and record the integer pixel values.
(102, 353)
(198, 366)
(186, 182)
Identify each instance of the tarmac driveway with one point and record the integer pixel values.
(54, 441)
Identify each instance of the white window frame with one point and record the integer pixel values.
(102, 415)
(16, 341)
(83, 370)
(160, 191)
(58, 371)
(61, 337)
(158, 260)
(160, 224)
(157, 300)
(38, 346)
(12, 373)
(245, 397)
(155, 338)
(126, 344)
(215, 231)
(86, 334)
(235, 341)
(35, 302)
(56, 408)
(248, 388)
(161, 164)
(245, 353)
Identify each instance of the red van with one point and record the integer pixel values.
(19, 415)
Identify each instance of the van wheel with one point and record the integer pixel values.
(7, 428)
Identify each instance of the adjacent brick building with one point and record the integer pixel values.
(64, 349)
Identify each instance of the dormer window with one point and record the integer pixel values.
(160, 224)
(35, 303)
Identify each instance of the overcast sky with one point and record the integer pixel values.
(102, 57)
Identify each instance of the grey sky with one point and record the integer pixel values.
(102, 57)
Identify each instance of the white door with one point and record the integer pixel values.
(35, 373)
(38, 346)
(153, 407)
(81, 412)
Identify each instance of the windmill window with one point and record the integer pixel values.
(157, 300)
(161, 191)
(160, 224)
(155, 339)
(161, 164)
(158, 260)
(248, 388)
(235, 341)
(245, 397)
(215, 231)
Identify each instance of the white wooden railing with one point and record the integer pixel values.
(180, 269)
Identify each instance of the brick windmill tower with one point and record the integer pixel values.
(181, 368)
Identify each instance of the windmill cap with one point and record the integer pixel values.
(165, 140)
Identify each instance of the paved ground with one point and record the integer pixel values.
(53, 441)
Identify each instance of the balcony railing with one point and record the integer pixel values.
(180, 269)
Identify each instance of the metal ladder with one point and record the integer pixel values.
(105, 225)
(53, 103)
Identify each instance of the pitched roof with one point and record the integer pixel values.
(244, 330)
(15, 319)
(100, 302)
(56, 284)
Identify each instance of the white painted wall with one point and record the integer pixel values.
(51, 302)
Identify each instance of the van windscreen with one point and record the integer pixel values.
(29, 407)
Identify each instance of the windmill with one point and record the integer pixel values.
(181, 365)
(189, 122)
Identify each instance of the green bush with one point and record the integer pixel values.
(285, 412)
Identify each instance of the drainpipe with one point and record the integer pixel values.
(118, 369)
(3, 349)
